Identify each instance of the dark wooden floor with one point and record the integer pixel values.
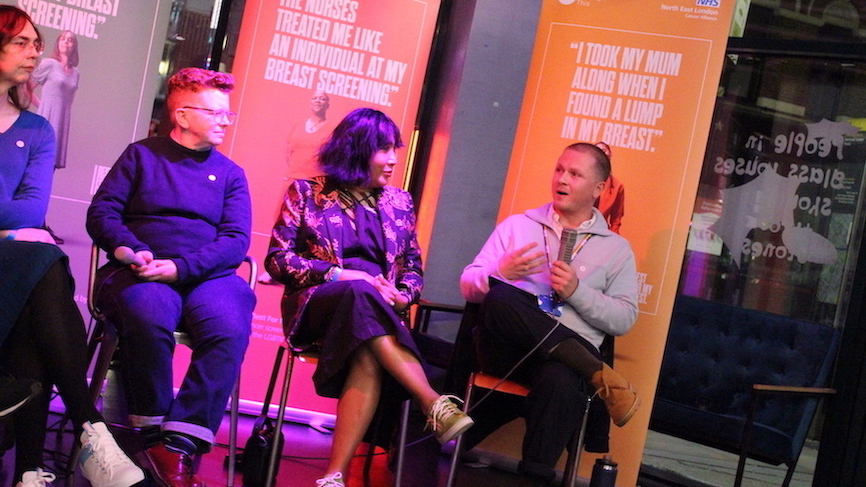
(306, 449)
(303, 460)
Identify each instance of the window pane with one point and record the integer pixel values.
(828, 20)
(778, 207)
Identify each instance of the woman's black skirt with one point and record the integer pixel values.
(22, 265)
(341, 316)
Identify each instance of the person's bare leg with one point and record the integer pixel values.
(355, 408)
(405, 368)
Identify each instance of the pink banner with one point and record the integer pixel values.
(301, 66)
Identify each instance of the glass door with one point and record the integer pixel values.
(778, 218)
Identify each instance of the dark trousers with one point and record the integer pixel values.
(511, 325)
(48, 344)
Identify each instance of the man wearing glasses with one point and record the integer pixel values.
(174, 216)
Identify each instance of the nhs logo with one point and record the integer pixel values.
(708, 3)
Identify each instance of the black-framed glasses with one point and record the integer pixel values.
(21, 44)
(217, 115)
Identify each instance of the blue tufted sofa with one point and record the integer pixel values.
(723, 365)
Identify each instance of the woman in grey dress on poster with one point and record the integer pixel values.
(59, 78)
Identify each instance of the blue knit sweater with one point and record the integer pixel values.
(192, 207)
(26, 169)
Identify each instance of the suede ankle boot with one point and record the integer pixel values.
(619, 396)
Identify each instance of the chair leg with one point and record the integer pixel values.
(401, 445)
(376, 428)
(790, 474)
(368, 461)
(741, 468)
(74, 456)
(233, 433)
(278, 428)
(458, 443)
(455, 460)
(107, 347)
(569, 475)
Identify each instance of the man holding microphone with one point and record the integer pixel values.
(553, 282)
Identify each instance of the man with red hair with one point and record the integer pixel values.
(174, 215)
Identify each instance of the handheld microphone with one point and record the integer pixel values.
(566, 245)
(125, 255)
(566, 252)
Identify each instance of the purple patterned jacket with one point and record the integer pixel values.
(305, 243)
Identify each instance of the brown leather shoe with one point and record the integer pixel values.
(619, 396)
(171, 469)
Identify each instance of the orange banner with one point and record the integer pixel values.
(641, 76)
(301, 66)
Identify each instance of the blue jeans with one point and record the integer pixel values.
(216, 313)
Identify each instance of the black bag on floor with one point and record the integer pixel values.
(257, 451)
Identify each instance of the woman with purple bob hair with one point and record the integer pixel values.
(346, 249)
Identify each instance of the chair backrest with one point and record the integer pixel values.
(91, 284)
(715, 353)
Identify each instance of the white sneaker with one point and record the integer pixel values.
(102, 462)
(333, 480)
(36, 478)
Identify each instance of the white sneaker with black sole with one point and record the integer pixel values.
(36, 478)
